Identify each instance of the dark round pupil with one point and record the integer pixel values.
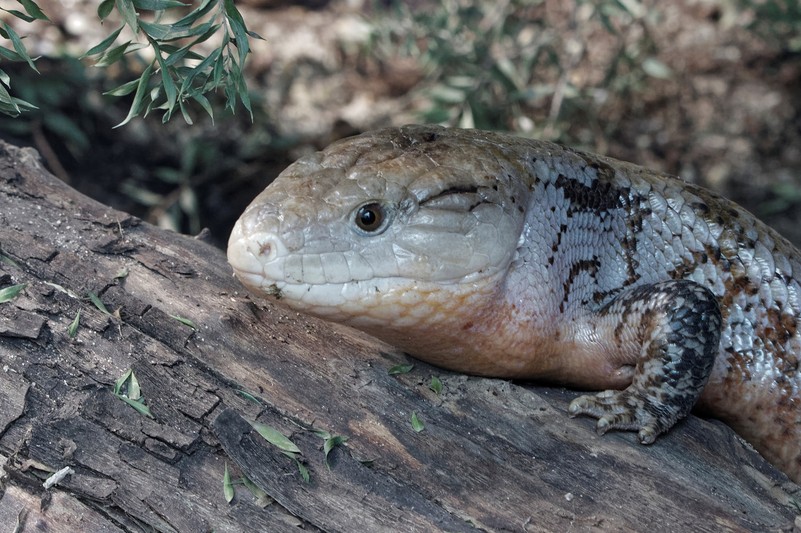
(369, 217)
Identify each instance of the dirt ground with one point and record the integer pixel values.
(699, 88)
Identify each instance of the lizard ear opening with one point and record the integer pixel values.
(371, 218)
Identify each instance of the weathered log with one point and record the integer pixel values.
(493, 455)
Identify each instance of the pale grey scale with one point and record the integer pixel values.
(688, 240)
(793, 298)
(707, 275)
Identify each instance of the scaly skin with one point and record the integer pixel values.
(500, 256)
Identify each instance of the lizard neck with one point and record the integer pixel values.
(492, 329)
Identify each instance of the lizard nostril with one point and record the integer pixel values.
(266, 248)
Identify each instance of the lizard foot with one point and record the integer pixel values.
(622, 410)
(679, 328)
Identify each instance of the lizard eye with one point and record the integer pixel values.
(371, 218)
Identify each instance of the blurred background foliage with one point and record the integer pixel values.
(708, 89)
(497, 65)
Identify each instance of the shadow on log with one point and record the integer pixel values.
(493, 455)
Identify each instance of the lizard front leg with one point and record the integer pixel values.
(677, 325)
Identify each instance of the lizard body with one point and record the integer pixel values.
(501, 256)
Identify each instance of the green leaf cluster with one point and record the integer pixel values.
(287, 447)
(177, 74)
(262, 499)
(478, 57)
(10, 105)
(331, 442)
(492, 65)
(127, 389)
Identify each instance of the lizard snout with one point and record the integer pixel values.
(250, 255)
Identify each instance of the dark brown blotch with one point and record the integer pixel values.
(599, 196)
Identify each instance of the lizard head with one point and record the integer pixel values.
(381, 220)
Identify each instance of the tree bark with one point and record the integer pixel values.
(493, 455)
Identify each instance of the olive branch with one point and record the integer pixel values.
(176, 74)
